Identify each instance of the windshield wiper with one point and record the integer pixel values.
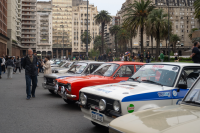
(136, 79)
(194, 102)
(152, 82)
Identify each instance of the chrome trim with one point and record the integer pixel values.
(71, 96)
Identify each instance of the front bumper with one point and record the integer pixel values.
(65, 95)
(50, 87)
(87, 115)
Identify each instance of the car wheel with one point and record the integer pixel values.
(52, 92)
(69, 101)
(96, 124)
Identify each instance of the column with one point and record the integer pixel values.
(62, 54)
(56, 53)
(67, 54)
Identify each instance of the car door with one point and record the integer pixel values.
(187, 77)
(123, 73)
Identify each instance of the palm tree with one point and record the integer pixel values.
(84, 37)
(113, 31)
(197, 9)
(102, 18)
(174, 38)
(136, 16)
(123, 36)
(159, 21)
(192, 30)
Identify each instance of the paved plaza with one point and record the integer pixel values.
(46, 113)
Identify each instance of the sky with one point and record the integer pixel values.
(112, 6)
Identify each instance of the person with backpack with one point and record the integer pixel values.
(10, 66)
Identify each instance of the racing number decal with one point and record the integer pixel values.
(130, 108)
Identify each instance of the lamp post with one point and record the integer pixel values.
(63, 38)
(87, 34)
(168, 35)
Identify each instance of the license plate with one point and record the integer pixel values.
(96, 116)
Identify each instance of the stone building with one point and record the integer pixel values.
(44, 29)
(3, 27)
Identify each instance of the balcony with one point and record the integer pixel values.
(28, 9)
(28, 18)
(28, 27)
(28, 23)
(28, 36)
(27, 13)
(44, 20)
(19, 7)
(41, 43)
(44, 25)
(61, 46)
(29, 0)
(28, 32)
(29, 4)
(28, 41)
(19, 34)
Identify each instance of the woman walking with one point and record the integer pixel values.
(10, 65)
(47, 66)
(18, 65)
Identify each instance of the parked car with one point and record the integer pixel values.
(183, 118)
(107, 73)
(152, 86)
(63, 68)
(78, 69)
(57, 63)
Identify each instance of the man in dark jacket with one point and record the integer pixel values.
(148, 57)
(30, 66)
(141, 57)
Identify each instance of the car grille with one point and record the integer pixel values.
(60, 85)
(49, 80)
(94, 100)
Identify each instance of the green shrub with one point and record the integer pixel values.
(171, 53)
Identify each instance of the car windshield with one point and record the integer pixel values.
(60, 64)
(194, 95)
(67, 65)
(106, 69)
(78, 68)
(158, 74)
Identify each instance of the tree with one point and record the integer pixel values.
(102, 18)
(174, 38)
(113, 31)
(197, 9)
(84, 37)
(192, 30)
(123, 36)
(136, 16)
(97, 43)
(159, 21)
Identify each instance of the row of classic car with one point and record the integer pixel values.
(114, 89)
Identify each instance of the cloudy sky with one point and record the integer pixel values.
(112, 6)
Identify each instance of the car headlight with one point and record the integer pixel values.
(54, 81)
(116, 106)
(69, 87)
(102, 105)
(45, 80)
(83, 99)
(62, 89)
(56, 86)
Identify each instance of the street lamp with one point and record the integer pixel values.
(63, 39)
(87, 34)
(168, 35)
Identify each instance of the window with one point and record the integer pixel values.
(92, 68)
(125, 71)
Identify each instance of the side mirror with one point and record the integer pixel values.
(181, 86)
(116, 75)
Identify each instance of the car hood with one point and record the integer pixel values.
(125, 91)
(170, 119)
(60, 68)
(80, 79)
(60, 75)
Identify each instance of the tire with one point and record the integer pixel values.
(69, 101)
(52, 92)
(96, 124)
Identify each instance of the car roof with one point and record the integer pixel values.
(127, 63)
(182, 64)
(89, 61)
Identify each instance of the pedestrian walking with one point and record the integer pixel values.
(30, 66)
(141, 57)
(104, 57)
(14, 67)
(195, 53)
(47, 66)
(148, 57)
(18, 65)
(162, 56)
(3, 69)
(10, 66)
(176, 56)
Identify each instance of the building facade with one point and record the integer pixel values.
(14, 27)
(79, 26)
(44, 29)
(3, 27)
(182, 18)
(78, 2)
(62, 28)
(28, 32)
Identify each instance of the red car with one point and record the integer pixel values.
(112, 72)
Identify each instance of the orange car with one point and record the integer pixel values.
(112, 72)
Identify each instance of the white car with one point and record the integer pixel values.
(154, 85)
(63, 67)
